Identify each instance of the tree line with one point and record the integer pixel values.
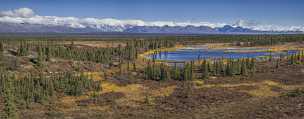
(213, 67)
(24, 90)
(243, 40)
(202, 70)
(47, 49)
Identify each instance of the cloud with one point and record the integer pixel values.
(245, 23)
(266, 27)
(27, 15)
(21, 12)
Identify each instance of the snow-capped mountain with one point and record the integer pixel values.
(25, 20)
(41, 28)
(170, 29)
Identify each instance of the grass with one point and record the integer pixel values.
(262, 89)
(295, 93)
(164, 91)
(145, 54)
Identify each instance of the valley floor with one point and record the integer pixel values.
(268, 95)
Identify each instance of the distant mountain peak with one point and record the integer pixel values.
(25, 20)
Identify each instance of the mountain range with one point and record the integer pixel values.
(24, 20)
(41, 28)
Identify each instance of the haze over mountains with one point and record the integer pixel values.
(24, 20)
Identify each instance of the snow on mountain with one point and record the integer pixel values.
(171, 29)
(26, 20)
(264, 27)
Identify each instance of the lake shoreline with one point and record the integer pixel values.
(195, 52)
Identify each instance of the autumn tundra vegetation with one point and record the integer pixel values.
(113, 77)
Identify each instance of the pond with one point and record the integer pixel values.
(190, 53)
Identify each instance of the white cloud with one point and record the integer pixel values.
(266, 27)
(21, 12)
(27, 15)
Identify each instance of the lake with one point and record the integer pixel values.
(190, 53)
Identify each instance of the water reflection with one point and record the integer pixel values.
(189, 54)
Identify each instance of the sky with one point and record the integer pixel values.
(280, 12)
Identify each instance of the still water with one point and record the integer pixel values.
(188, 54)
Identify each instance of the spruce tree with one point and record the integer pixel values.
(243, 69)
(134, 66)
(176, 73)
(1, 47)
(9, 99)
(205, 70)
(277, 64)
(229, 68)
(187, 72)
(253, 66)
(164, 72)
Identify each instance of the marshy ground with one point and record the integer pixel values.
(264, 95)
(269, 94)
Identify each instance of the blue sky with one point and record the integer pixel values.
(280, 12)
